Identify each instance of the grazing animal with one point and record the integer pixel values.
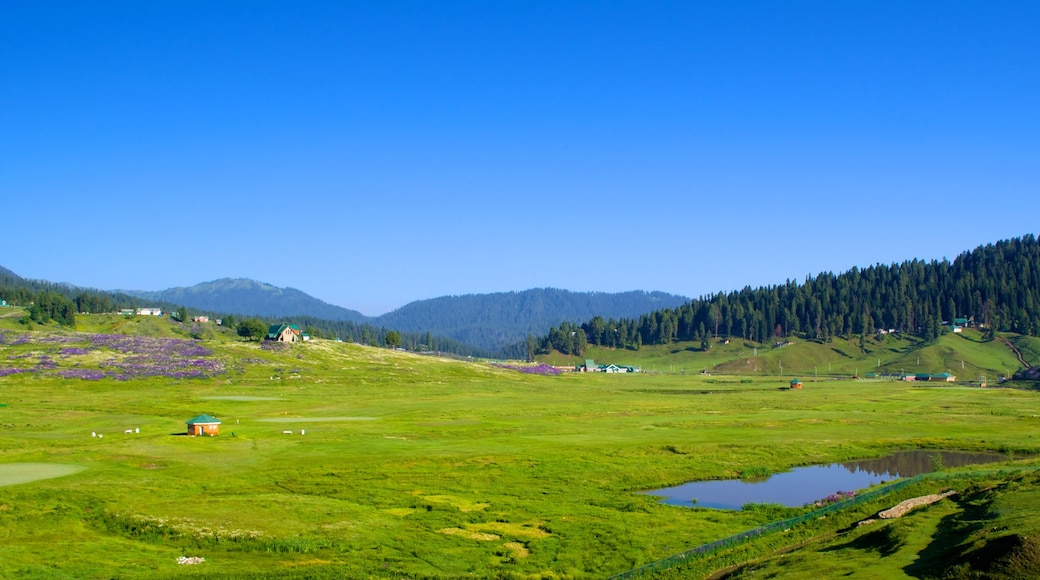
(128, 431)
(286, 432)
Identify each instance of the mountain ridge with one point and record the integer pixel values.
(249, 297)
(487, 321)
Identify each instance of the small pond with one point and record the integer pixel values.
(805, 485)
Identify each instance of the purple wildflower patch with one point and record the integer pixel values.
(834, 498)
(541, 369)
(84, 374)
(73, 351)
(274, 346)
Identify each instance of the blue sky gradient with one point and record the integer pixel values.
(376, 153)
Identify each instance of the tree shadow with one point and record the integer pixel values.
(946, 547)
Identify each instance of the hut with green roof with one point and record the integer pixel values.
(796, 383)
(284, 332)
(203, 425)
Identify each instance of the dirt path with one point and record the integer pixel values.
(1016, 351)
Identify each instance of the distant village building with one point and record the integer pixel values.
(284, 333)
(796, 383)
(941, 377)
(201, 319)
(149, 311)
(203, 425)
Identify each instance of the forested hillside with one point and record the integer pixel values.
(48, 301)
(491, 321)
(997, 286)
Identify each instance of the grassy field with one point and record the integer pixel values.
(965, 355)
(410, 466)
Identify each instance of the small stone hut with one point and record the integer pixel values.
(796, 383)
(204, 425)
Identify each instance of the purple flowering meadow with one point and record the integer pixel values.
(73, 351)
(129, 357)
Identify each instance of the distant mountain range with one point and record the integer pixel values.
(242, 296)
(485, 321)
(491, 321)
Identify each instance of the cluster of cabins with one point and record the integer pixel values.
(159, 312)
(590, 366)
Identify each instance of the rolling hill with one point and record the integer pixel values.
(488, 322)
(251, 298)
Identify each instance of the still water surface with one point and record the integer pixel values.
(805, 485)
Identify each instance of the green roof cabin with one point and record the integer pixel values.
(203, 425)
(284, 332)
(796, 383)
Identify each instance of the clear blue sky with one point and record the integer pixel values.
(375, 153)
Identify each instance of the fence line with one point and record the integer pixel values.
(705, 549)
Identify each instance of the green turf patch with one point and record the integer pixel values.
(313, 419)
(15, 473)
(240, 398)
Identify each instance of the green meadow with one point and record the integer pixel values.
(966, 355)
(420, 467)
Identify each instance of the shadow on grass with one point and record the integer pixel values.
(885, 541)
(950, 542)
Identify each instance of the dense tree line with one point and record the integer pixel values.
(996, 285)
(44, 305)
(372, 335)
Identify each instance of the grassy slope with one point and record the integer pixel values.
(457, 470)
(839, 357)
(987, 531)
